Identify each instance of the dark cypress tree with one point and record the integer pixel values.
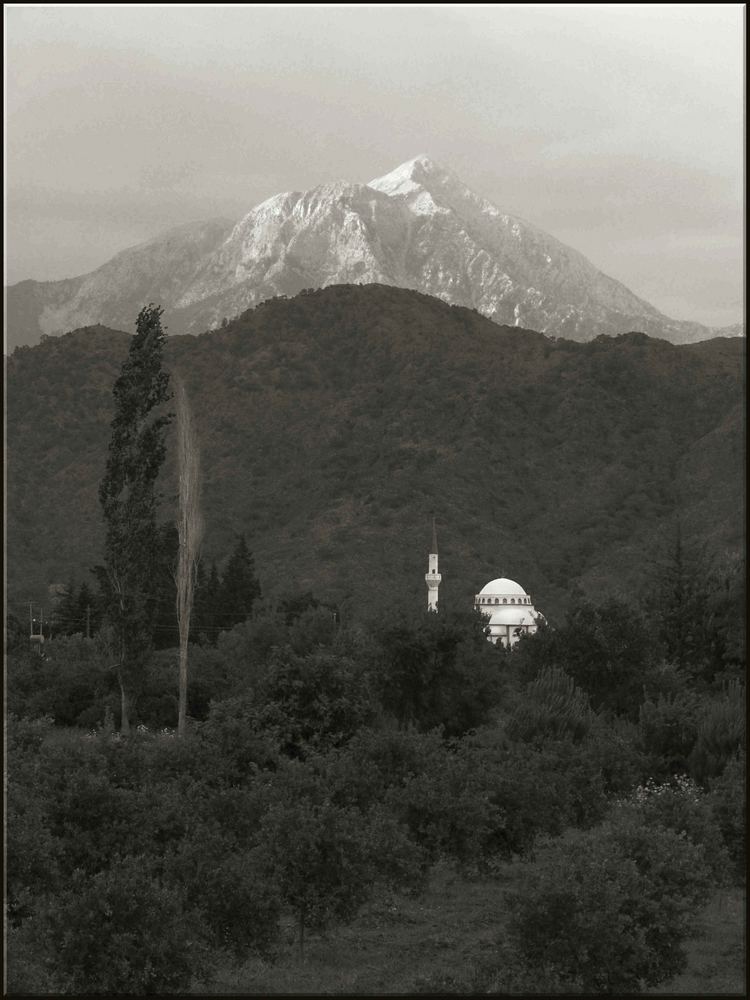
(130, 500)
(207, 603)
(679, 611)
(239, 587)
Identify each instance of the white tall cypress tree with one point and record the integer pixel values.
(190, 533)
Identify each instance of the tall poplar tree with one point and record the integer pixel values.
(190, 532)
(130, 500)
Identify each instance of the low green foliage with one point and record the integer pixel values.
(239, 906)
(304, 793)
(438, 670)
(606, 648)
(728, 793)
(721, 732)
(552, 707)
(607, 910)
(681, 806)
(316, 701)
(120, 930)
(72, 682)
(325, 860)
(669, 731)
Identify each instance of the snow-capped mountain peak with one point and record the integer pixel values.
(418, 226)
(407, 177)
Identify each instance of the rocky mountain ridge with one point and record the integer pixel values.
(418, 227)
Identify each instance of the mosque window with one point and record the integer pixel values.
(497, 600)
(512, 600)
(505, 600)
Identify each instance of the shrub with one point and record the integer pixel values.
(721, 733)
(315, 701)
(240, 907)
(240, 740)
(121, 931)
(681, 806)
(33, 854)
(727, 797)
(552, 707)
(448, 810)
(607, 650)
(374, 761)
(438, 670)
(325, 860)
(472, 803)
(70, 681)
(612, 747)
(668, 730)
(606, 910)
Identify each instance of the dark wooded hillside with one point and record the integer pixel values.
(333, 425)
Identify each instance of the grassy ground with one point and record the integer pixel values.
(433, 944)
(396, 945)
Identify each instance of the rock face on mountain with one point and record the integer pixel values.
(418, 227)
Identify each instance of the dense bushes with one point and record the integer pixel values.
(728, 794)
(316, 701)
(120, 930)
(551, 707)
(668, 731)
(682, 807)
(438, 670)
(72, 682)
(304, 785)
(605, 911)
(607, 649)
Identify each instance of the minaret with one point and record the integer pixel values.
(432, 577)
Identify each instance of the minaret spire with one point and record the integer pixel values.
(432, 577)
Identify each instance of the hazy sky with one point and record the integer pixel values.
(618, 128)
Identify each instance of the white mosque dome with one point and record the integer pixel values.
(502, 587)
(508, 610)
(511, 614)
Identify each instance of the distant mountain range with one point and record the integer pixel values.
(419, 227)
(335, 424)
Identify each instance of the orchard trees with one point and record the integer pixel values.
(438, 670)
(606, 910)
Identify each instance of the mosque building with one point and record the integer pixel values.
(507, 605)
(510, 611)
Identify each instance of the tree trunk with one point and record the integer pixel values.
(124, 707)
(182, 700)
(190, 532)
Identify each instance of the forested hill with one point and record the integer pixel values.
(334, 424)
